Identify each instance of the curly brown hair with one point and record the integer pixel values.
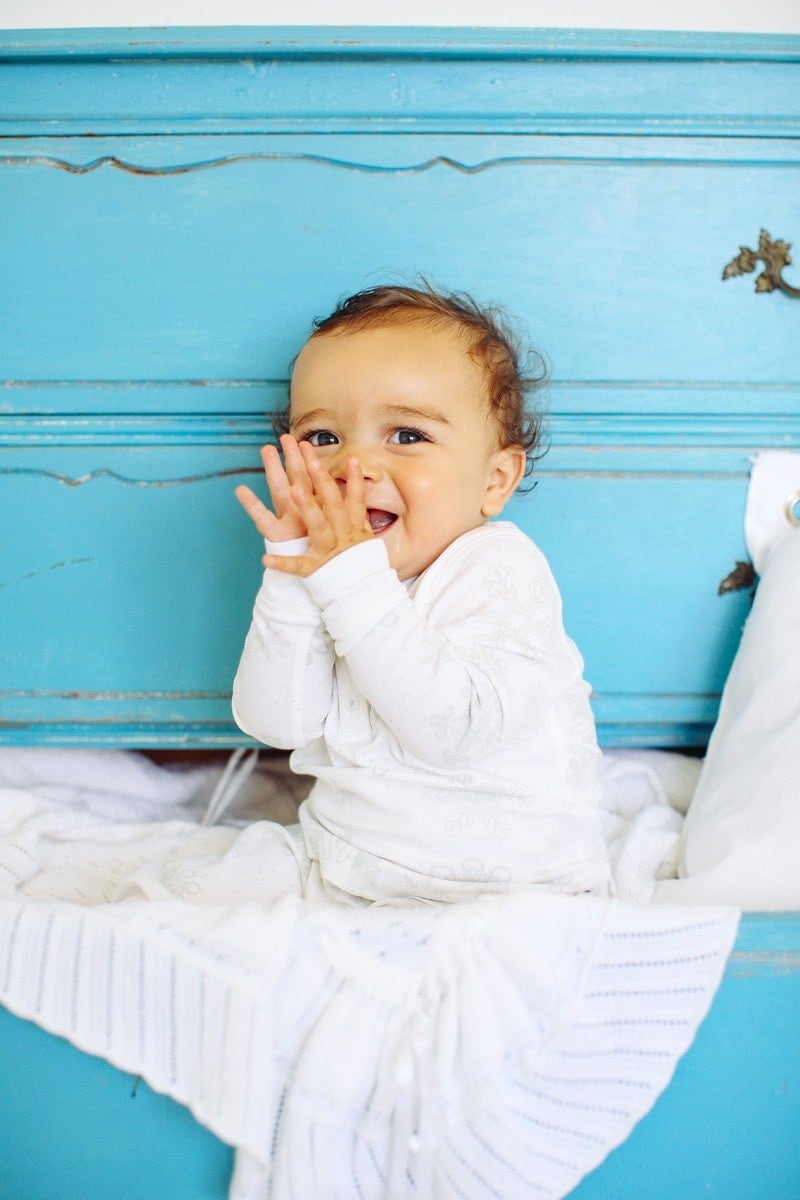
(491, 342)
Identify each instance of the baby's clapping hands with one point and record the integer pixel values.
(307, 503)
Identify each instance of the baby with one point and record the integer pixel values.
(407, 649)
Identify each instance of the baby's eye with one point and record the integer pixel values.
(407, 437)
(319, 438)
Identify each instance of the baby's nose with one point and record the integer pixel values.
(368, 459)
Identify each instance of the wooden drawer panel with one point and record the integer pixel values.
(202, 260)
(128, 575)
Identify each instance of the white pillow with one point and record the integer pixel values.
(741, 840)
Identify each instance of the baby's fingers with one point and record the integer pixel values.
(276, 479)
(326, 491)
(264, 521)
(294, 564)
(355, 496)
(295, 455)
(316, 515)
(284, 522)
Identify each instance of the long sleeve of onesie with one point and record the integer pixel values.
(465, 666)
(283, 687)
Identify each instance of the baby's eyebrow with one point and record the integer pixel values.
(314, 417)
(394, 412)
(408, 411)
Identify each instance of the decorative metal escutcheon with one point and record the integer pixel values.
(774, 255)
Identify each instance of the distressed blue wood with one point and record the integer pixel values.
(353, 42)
(74, 1127)
(628, 80)
(145, 552)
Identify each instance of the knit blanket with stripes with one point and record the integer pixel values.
(497, 1048)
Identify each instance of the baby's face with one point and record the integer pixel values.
(409, 403)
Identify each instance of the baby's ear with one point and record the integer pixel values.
(506, 469)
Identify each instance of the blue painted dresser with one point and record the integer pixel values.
(176, 207)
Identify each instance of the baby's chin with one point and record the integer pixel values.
(409, 561)
(407, 566)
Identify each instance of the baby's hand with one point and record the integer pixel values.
(285, 523)
(333, 522)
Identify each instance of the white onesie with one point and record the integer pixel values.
(446, 721)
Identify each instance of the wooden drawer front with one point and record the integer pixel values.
(201, 261)
(173, 220)
(129, 573)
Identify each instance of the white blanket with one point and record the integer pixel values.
(496, 1048)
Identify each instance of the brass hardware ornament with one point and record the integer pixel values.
(774, 255)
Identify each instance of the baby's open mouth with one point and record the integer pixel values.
(379, 519)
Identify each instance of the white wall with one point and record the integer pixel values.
(755, 16)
